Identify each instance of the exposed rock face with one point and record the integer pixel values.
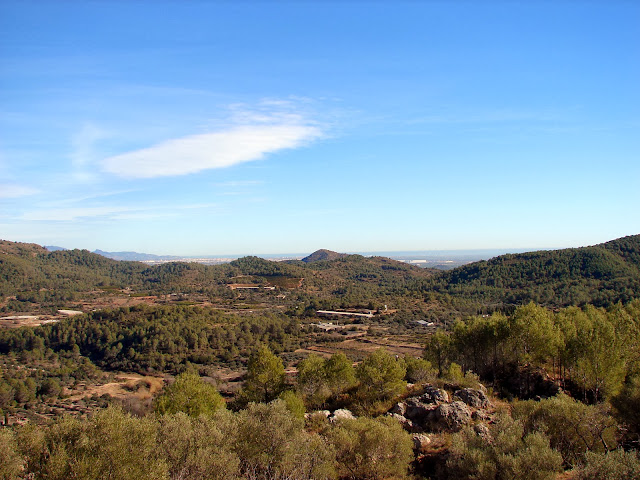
(434, 395)
(472, 397)
(450, 416)
(417, 411)
(433, 410)
(407, 424)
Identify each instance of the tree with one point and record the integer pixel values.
(265, 376)
(381, 377)
(312, 380)
(339, 373)
(191, 395)
(438, 349)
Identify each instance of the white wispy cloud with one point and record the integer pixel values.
(83, 154)
(240, 183)
(16, 191)
(109, 212)
(224, 148)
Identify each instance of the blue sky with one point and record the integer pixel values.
(196, 128)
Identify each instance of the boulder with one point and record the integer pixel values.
(400, 408)
(407, 424)
(450, 416)
(481, 415)
(417, 412)
(434, 395)
(341, 414)
(483, 432)
(420, 441)
(473, 397)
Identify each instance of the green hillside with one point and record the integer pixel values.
(601, 274)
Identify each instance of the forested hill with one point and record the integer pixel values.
(600, 274)
(323, 255)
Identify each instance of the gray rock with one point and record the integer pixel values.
(341, 414)
(473, 398)
(417, 411)
(481, 415)
(407, 424)
(400, 408)
(450, 416)
(420, 441)
(434, 395)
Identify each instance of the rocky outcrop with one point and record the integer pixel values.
(434, 411)
(434, 395)
(473, 397)
(450, 417)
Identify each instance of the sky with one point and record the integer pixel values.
(203, 128)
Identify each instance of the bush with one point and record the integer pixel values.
(506, 454)
(371, 448)
(573, 428)
(614, 465)
(191, 395)
(10, 459)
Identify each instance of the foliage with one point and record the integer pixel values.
(627, 409)
(319, 379)
(380, 377)
(614, 465)
(418, 370)
(110, 445)
(272, 444)
(198, 448)
(294, 403)
(371, 448)
(191, 395)
(265, 376)
(10, 460)
(572, 427)
(157, 338)
(508, 453)
(591, 350)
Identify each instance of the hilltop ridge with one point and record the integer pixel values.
(323, 255)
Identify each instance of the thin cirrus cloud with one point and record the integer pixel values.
(192, 154)
(110, 213)
(16, 191)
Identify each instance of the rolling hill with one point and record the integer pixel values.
(601, 274)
